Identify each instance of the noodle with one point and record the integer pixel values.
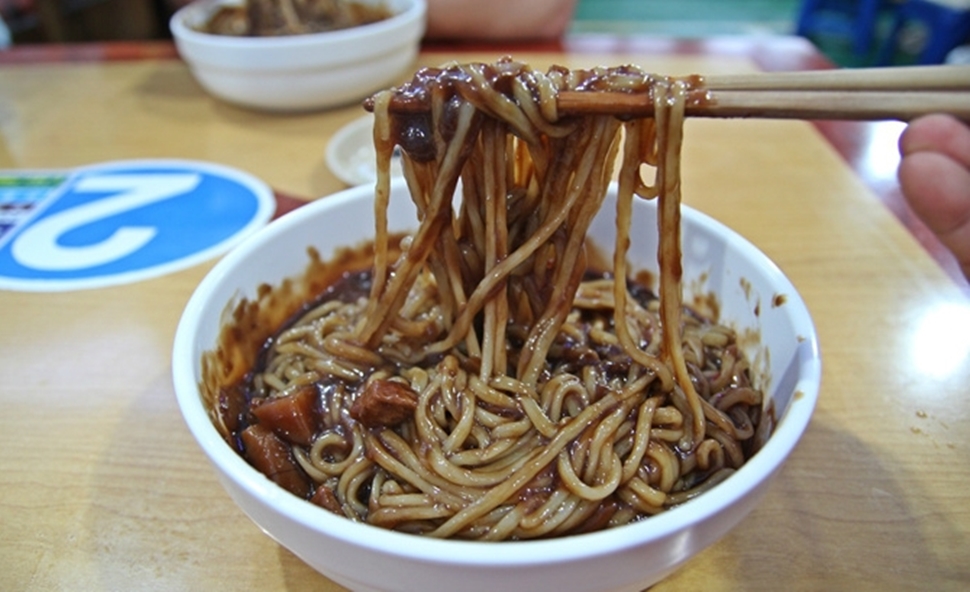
(487, 382)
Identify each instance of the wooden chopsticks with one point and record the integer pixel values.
(860, 94)
(900, 78)
(782, 104)
(901, 93)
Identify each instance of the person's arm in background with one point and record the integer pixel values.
(934, 175)
(498, 19)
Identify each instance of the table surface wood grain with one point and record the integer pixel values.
(103, 488)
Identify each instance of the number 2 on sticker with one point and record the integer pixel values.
(38, 246)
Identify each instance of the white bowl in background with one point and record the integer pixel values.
(300, 72)
(753, 294)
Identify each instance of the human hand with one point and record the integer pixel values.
(934, 175)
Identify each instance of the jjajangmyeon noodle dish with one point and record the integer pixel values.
(492, 375)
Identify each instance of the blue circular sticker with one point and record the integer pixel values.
(121, 222)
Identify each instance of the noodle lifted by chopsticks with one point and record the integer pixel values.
(492, 385)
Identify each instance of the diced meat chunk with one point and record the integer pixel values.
(326, 499)
(384, 403)
(271, 456)
(293, 417)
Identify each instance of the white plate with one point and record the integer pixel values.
(350, 153)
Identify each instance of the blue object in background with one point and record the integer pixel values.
(946, 28)
(854, 20)
(120, 222)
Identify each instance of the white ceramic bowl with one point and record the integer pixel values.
(300, 72)
(750, 289)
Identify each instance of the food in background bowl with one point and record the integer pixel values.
(518, 410)
(292, 17)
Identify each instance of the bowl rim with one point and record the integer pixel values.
(759, 469)
(415, 10)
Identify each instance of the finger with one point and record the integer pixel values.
(938, 190)
(937, 133)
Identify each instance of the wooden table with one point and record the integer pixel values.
(102, 487)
